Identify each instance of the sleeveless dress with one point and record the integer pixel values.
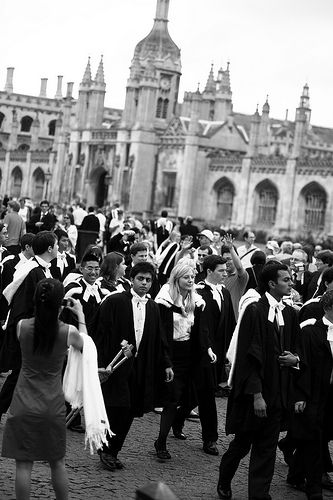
(36, 427)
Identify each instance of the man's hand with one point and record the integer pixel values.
(259, 406)
(169, 374)
(228, 240)
(212, 355)
(287, 358)
(300, 406)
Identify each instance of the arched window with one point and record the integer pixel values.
(38, 179)
(26, 123)
(314, 207)
(16, 182)
(52, 127)
(2, 117)
(225, 193)
(265, 204)
(159, 107)
(165, 108)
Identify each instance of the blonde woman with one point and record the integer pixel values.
(180, 309)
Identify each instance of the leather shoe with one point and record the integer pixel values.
(107, 460)
(161, 451)
(210, 448)
(224, 493)
(326, 481)
(179, 434)
(77, 428)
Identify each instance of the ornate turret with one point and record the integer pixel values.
(302, 121)
(211, 84)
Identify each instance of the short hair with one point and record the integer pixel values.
(258, 257)
(91, 209)
(327, 275)
(60, 233)
(225, 249)
(164, 213)
(270, 273)
(42, 241)
(327, 300)
(138, 247)
(326, 256)
(89, 257)
(300, 250)
(44, 202)
(212, 261)
(14, 205)
(143, 267)
(27, 239)
(206, 247)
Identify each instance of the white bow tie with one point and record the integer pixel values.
(91, 291)
(140, 300)
(276, 312)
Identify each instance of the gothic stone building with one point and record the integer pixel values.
(198, 157)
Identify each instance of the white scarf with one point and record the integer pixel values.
(81, 387)
(62, 261)
(275, 310)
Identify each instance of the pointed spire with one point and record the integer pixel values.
(211, 85)
(256, 116)
(266, 107)
(99, 78)
(305, 97)
(87, 74)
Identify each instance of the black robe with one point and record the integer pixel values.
(68, 268)
(257, 368)
(132, 385)
(318, 413)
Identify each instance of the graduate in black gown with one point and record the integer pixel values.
(129, 392)
(263, 386)
(64, 263)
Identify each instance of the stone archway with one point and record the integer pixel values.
(16, 182)
(38, 180)
(97, 188)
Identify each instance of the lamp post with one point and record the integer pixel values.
(48, 176)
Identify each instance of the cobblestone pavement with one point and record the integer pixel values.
(191, 474)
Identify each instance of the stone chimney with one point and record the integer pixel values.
(58, 94)
(9, 80)
(43, 86)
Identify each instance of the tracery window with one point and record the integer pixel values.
(315, 207)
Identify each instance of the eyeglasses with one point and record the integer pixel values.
(92, 269)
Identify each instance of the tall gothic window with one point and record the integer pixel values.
(315, 208)
(26, 123)
(16, 183)
(265, 211)
(38, 185)
(52, 127)
(169, 185)
(159, 107)
(225, 198)
(165, 108)
(2, 117)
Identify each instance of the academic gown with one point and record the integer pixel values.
(311, 309)
(257, 368)
(220, 325)
(68, 268)
(318, 413)
(133, 384)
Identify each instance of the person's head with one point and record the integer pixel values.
(276, 280)
(298, 260)
(287, 247)
(258, 258)
(142, 275)
(205, 237)
(203, 251)
(225, 253)
(272, 247)
(175, 237)
(44, 205)
(249, 237)
(48, 298)
(217, 236)
(181, 281)
(26, 244)
(164, 213)
(317, 248)
(3, 233)
(113, 266)
(68, 219)
(327, 278)
(215, 268)
(14, 206)
(139, 253)
(189, 220)
(45, 245)
(324, 259)
(91, 210)
(297, 246)
(63, 240)
(327, 304)
(89, 268)
(22, 202)
(96, 250)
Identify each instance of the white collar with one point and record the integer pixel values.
(42, 262)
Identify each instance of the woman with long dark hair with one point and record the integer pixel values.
(35, 427)
(112, 274)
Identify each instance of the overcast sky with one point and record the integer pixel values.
(274, 46)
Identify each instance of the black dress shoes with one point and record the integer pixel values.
(210, 448)
(223, 492)
(161, 451)
(178, 433)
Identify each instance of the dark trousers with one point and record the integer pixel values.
(307, 463)
(262, 459)
(7, 391)
(120, 420)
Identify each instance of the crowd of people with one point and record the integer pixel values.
(199, 318)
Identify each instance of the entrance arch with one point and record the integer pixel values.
(38, 185)
(16, 184)
(225, 193)
(97, 189)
